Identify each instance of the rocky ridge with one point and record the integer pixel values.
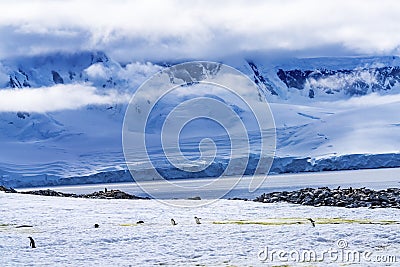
(349, 198)
(106, 194)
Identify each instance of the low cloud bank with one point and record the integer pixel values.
(58, 97)
(169, 30)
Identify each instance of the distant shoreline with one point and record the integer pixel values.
(322, 196)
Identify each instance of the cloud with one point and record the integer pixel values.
(55, 98)
(343, 80)
(97, 71)
(370, 100)
(136, 73)
(177, 29)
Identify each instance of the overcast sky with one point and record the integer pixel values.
(173, 30)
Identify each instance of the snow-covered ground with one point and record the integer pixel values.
(232, 233)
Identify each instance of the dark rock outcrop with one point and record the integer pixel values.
(107, 194)
(354, 82)
(7, 190)
(349, 198)
(57, 78)
(260, 80)
(110, 194)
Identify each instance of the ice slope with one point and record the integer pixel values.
(329, 131)
(369, 129)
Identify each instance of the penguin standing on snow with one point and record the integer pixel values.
(312, 221)
(173, 222)
(32, 243)
(197, 220)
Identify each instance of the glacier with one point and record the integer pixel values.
(330, 114)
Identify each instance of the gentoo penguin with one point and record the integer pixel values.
(312, 221)
(197, 220)
(173, 222)
(32, 243)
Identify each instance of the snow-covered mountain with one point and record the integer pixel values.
(321, 78)
(330, 113)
